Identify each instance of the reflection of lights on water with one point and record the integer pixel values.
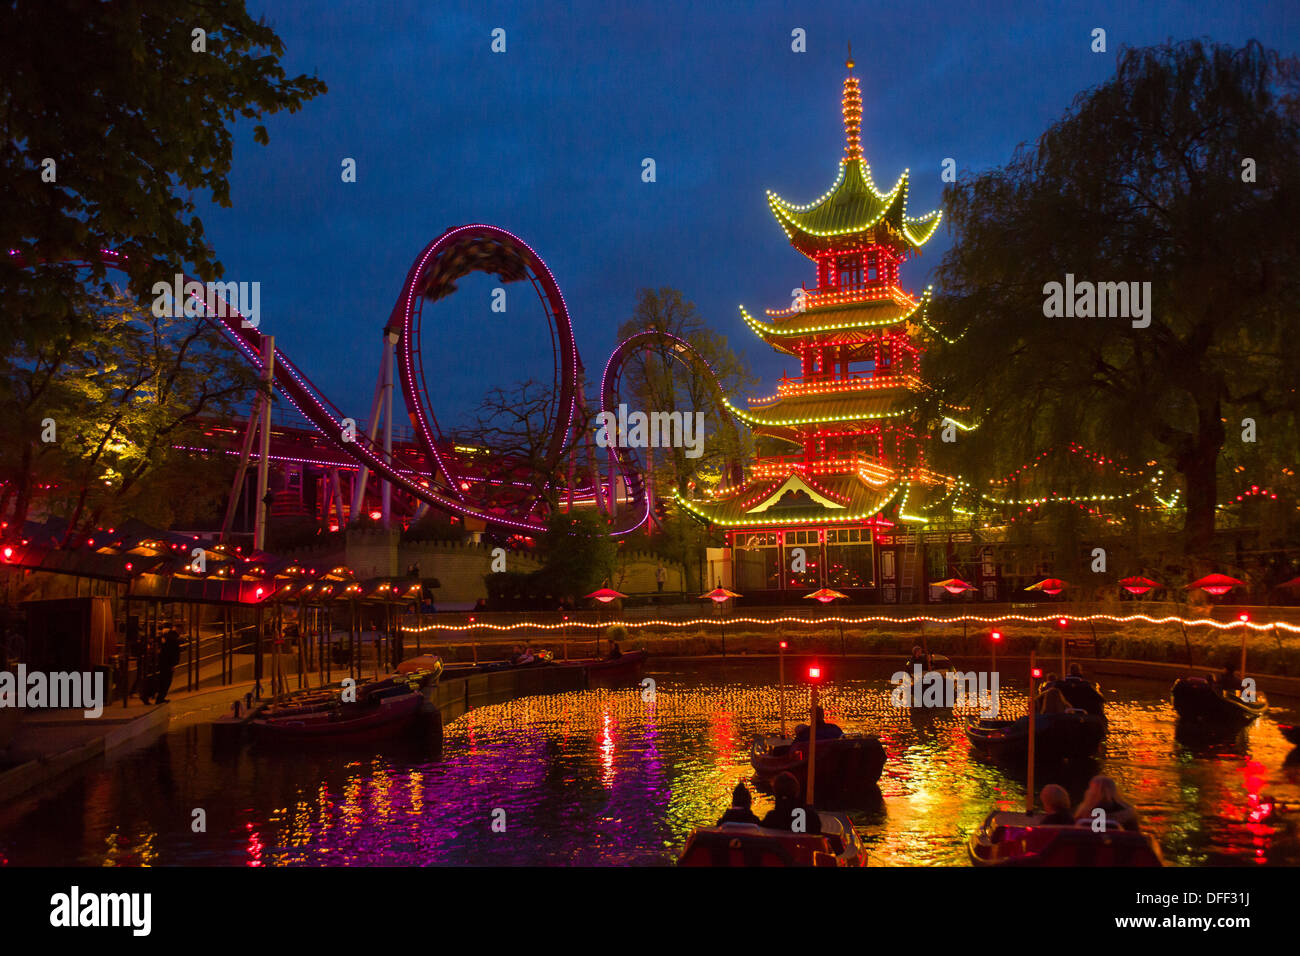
(607, 751)
(254, 845)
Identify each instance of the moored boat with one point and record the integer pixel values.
(1066, 736)
(747, 844)
(1198, 700)
(1018, 839)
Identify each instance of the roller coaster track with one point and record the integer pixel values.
(433, 275)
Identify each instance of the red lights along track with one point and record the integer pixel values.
(454, 254)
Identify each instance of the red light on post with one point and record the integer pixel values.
(784, 645)
(1243, 617)
(814, 673)
(9, 554)
(996, 636)
(1036, 672)
(1061, 622)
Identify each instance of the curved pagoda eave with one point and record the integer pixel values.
(851, 207)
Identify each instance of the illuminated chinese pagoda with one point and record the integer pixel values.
(857, 473)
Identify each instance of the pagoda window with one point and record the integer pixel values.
(873, 268)
(848, 271)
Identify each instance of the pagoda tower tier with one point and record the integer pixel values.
(854, 416)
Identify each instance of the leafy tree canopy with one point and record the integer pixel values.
(136, 112)
(1180, 172)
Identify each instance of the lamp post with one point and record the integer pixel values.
(814, 678)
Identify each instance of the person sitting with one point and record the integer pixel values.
(782, 816)
(825, 730)
(527, 656)
(1056, 806)
(740, 811)
(919, 657)
(1075, 672)
(1230, 683)
(1103, 794)
(1050, 698)
(614, 652)
(516, 652)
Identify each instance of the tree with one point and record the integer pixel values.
(656, 380)
(145, 115)
(106, 414)
(577, 554)
(515, 426)
(1179, 172)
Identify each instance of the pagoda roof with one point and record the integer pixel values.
(794, 499)
(793, 411)
(848, 317)
(797, 499)
(853, 207)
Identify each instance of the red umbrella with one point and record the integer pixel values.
(826, 595)
(1216, 584)
(719, 595)
(605, 595)
(954, 585)
(1051, 586)
(1139, 585)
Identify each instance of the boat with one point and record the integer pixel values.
(1199, 701)
(747, 844)
(1018, 839)
(1290, 732)
(1071, 735)
(383, 710)
(939, 677)
(842, 762)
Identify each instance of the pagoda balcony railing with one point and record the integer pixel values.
(871, 470)
(826, 385)
(845, 294)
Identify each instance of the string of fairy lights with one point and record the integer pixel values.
(1028, 619)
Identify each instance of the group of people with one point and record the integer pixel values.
(784, 813)
(1102, 794)
(1051, 700)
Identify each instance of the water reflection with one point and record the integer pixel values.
(604, 777)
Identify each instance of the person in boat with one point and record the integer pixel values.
(1056, 806)
(1075, 673)
(919, 656)
(1103, 794)
(1229, 683)
(1050, 698)
(516, 652)
(614, 652)
(782, 815)
(825, 730)
(740, 811)
(527, 657)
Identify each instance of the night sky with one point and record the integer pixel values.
(547, 140)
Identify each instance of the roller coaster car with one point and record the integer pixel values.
(1198, 700)
(1018, 839)
(747, 844)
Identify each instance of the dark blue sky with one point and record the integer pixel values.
(547, 140)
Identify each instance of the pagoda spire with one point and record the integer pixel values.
(851, 103)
